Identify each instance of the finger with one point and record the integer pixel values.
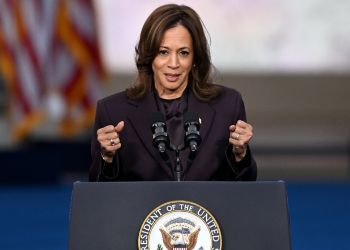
(109, 136)
(248, 131)
(237, 145)
(232, 128)
(243, 138)
(241, 124)
(112, 142)
(108, 147)
(235, 135)
(244, 125)
(105, 130)
(239, 131)
(119, 127)
(240, 141)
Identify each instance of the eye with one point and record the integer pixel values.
(163, 52)
(184, 53)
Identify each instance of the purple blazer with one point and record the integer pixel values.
(138, 160)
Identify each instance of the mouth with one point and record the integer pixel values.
(172, 77)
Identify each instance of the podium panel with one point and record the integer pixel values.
(251, 215)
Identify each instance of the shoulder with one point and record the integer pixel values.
(118, 103)
(115, 108)
(227, 95)
(228, 91)
(228, 102)
(117, 98)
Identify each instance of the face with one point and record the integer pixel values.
(173, 63)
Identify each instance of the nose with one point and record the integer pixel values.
(173, 62)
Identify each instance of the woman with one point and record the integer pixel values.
(173, 62)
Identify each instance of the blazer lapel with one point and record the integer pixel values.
(141, 123)
(206, 113)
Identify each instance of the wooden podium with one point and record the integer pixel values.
(251, 215)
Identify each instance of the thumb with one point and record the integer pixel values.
(232, 128)
(119, 127)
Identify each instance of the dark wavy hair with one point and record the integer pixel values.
(163, 18)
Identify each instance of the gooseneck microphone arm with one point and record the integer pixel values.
(178, 165)
(193, 138)
(161, 139)
(190, 160)
(167, 161)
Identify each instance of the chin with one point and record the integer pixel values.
(173, 85)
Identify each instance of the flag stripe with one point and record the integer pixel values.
(28, 45)
(50, 47)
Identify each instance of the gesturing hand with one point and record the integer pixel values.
(240, 134)
(109, 140)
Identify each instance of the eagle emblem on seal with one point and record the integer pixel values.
(180, 233)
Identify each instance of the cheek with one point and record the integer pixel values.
(188, 66)
(157, 64)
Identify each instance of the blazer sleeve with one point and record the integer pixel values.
(100, 170)
(246, 169)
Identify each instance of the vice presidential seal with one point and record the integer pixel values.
(180, 225)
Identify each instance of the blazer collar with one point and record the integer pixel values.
(140, 122)
(139, 119)
(205, 111)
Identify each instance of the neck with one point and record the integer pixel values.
(169, 93)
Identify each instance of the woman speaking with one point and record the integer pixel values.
(174, 66)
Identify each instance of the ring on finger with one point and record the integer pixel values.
(237, 137)
(112, 142)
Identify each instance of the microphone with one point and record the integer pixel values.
(158, 126)
(192, 124)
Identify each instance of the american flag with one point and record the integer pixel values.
(50, 48)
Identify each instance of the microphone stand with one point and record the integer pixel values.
(190, 160)
(167, 161)
(178, 166)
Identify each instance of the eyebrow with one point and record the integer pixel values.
(178, 49)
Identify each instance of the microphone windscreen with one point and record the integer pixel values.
(157, 117)
(191, 116)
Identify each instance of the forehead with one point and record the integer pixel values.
(178, 36)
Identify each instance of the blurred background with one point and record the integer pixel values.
(289, 59)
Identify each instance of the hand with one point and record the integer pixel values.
(109, 140)
(240, 135)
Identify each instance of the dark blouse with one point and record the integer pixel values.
(173, 111)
